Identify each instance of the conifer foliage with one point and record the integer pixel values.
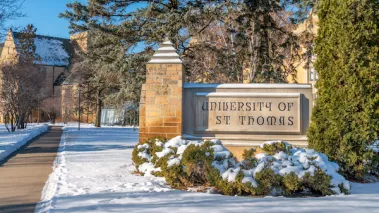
(345, 120)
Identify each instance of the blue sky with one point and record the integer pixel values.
(43, 14)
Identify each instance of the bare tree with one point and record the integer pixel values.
(68, 103)
(9, 9)
(213, 57)
(22, 82)
(52, 106)
(21, 85)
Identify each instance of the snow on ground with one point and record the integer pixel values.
(11, 141)
(94, 173)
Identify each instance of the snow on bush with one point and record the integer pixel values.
(374, 168)
(375, 147)
(281, 169)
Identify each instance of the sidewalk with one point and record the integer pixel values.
(23, 176)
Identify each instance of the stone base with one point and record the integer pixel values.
(237, 145)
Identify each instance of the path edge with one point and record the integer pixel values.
(46, 128)
(51, 185)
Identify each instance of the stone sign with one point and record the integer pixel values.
(240, 115)
(248, 112)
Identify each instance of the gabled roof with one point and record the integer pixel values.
(52, 51)
(60, 79)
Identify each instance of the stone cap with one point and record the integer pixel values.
(166, 54)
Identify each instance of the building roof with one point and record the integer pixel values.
(52, 51)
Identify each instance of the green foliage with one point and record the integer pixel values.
(176, 177)
(292, 183)
(273, 148)
(228, 36)
(197, 163)
(194, 168)
(249, 160)
(236, 187)
(137, 160)
(267, 180)
(151, 150)
(318, 183)
(197, 167)
(345, 119)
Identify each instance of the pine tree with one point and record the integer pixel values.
(118, 28)
(345, 119)
(27, 48)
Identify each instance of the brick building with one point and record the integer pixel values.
(55, 57)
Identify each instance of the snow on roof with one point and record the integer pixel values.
(52, 51)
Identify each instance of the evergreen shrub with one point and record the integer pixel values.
(284, 170)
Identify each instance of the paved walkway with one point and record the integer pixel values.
(23, 176)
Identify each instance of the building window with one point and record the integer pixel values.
(311, 74)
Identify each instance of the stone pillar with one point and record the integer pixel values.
(162, 95)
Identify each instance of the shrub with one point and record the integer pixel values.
(272, 147)
(292, 183)
(197, 161)
(249, 160)
(282, 170)
(318, 183)
(267, 180)
(142, 153)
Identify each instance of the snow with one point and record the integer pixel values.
(94, 173)
(50, 50)
(163, 153)
(375, 147)
(250, 180)
(231, 174)
(12, 141)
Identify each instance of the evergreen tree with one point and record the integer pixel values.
(266, 30)
(27, 48)
(345, 120)
(221, 31)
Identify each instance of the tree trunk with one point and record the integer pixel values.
(98, 110)
(21, 122)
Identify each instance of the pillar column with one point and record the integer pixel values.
(162, 95)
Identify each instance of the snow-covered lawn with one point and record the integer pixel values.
(11, 141)
(94, 173)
